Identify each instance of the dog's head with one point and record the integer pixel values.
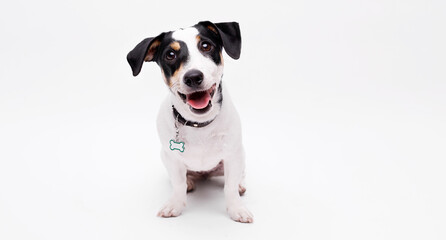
(191, 63)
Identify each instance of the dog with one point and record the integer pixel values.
(198, 125)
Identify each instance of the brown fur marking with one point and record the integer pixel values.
(175, 76)
(175, 46)
(151, 52)
(241, 190)
(212, 29)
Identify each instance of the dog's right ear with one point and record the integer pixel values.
(145, 51)
(229, 33)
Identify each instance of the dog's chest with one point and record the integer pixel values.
(203, 149)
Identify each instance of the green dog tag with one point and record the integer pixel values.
(176, 146)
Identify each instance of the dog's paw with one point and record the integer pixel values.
(240, 214)
(172, 208)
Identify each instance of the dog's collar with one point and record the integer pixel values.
(185, 122)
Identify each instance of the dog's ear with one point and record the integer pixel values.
(230, 36)
(145, 51)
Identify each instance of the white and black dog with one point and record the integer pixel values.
(198, 125)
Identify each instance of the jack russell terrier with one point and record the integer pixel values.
(198, 125)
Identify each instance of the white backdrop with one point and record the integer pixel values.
(342, 102)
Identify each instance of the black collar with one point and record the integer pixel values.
(177, 116)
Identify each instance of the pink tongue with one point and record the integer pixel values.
(199, 100)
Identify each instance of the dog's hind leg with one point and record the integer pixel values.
(192, 177)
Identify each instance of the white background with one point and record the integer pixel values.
(342, 102)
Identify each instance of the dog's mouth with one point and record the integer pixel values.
(199, 101)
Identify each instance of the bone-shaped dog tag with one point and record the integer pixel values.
(176, 146)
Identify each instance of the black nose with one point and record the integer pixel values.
(193, 78)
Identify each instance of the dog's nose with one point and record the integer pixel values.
(193, 78)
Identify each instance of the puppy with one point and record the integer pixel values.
(198, 126)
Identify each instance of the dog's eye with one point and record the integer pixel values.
(171, 55)
(205, 46)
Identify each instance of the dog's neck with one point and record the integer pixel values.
(185, 122)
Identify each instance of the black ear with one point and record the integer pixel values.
(230, 36)
(144, 51)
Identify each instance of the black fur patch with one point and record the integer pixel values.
(220, 89)
(170, 67)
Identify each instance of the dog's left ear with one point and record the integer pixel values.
(230, 36)
(145, 51)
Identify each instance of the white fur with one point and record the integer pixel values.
(204, 147)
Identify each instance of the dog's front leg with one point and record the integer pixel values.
(234, 167)
(177, 173)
